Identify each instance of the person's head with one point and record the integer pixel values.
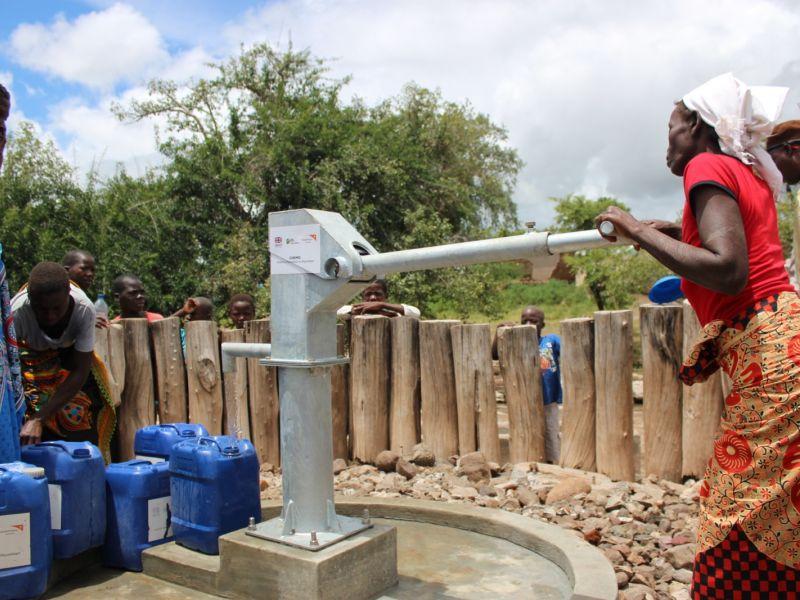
(79, 265)
(533, 315)
(688, 136)
(128, 291)
(5, 108)
(783, 146)
(48, 292)
(241, 308)
(377, 291)
(203, 310)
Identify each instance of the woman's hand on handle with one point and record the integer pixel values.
(625, 225)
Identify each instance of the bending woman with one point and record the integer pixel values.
(65, 383)
(729, 255)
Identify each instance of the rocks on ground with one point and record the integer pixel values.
(645, 529)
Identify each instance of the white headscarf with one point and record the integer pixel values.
(743, 117)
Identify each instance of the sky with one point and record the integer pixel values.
(584, 88)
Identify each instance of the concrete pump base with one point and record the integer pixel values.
(443, 551)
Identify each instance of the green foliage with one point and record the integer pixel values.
(40, 204)
(612, 275)
(577, 213)
(269, 131)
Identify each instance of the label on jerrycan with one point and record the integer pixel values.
(15, 540)
(159, 518)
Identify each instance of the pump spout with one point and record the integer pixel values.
(232, 350)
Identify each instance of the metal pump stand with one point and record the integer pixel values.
(319, 262)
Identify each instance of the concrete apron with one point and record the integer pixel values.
(589, 573)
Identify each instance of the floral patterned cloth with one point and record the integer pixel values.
(753, 476)
(89, 416)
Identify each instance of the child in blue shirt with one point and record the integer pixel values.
(549, 365)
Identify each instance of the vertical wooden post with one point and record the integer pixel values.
(340, 399)
(518, 349)
(662, 347)
(264, 401)
(138, 398)
(405, 391)
(439, 414)
(369, 385)
(170, 370)
(578, 413)
(204, 375)
(110, 347)
(236, 412)
(613, 370)
(475, 395)
(702, 407)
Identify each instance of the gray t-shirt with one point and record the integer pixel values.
(79, 331)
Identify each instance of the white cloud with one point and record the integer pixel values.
(98, 49)
(584, 88)
(93, 138)
(7, 79)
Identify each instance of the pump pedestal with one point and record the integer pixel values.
(359, 567)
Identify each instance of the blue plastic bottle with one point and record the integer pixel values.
(155, 442)
(215, 490)
(77, 482)
(26, 546)
(139, 514)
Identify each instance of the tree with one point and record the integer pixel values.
(41, 204)
(613, 275)
(270, 132)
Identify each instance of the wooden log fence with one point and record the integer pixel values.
(662, 353)
(404, 395)
(340, 398)
(262, 383)
(518, 348)
(439, 412)
(475, 393)
(138, 407)
(236, 409)
(170, 371)
(578, 438)
(702, 408)
(370, 358)
(613, 370)
(434, 382)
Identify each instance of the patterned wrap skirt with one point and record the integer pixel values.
(751, 491)
(90, 416)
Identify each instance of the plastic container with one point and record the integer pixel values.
(138, 508)
(77, 483)
(26, 546)
(155, 442)
(101, 306)
(215, 490)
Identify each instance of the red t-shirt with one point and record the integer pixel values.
(767, 274)
(151, 316)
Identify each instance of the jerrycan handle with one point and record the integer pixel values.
(226, 451)
(76, 453)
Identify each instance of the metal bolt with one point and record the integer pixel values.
(314, 540)
(365, 517)
(251, 525)
(530, 224)
(292, 531)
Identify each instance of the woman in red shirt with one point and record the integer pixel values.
(729, 255)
